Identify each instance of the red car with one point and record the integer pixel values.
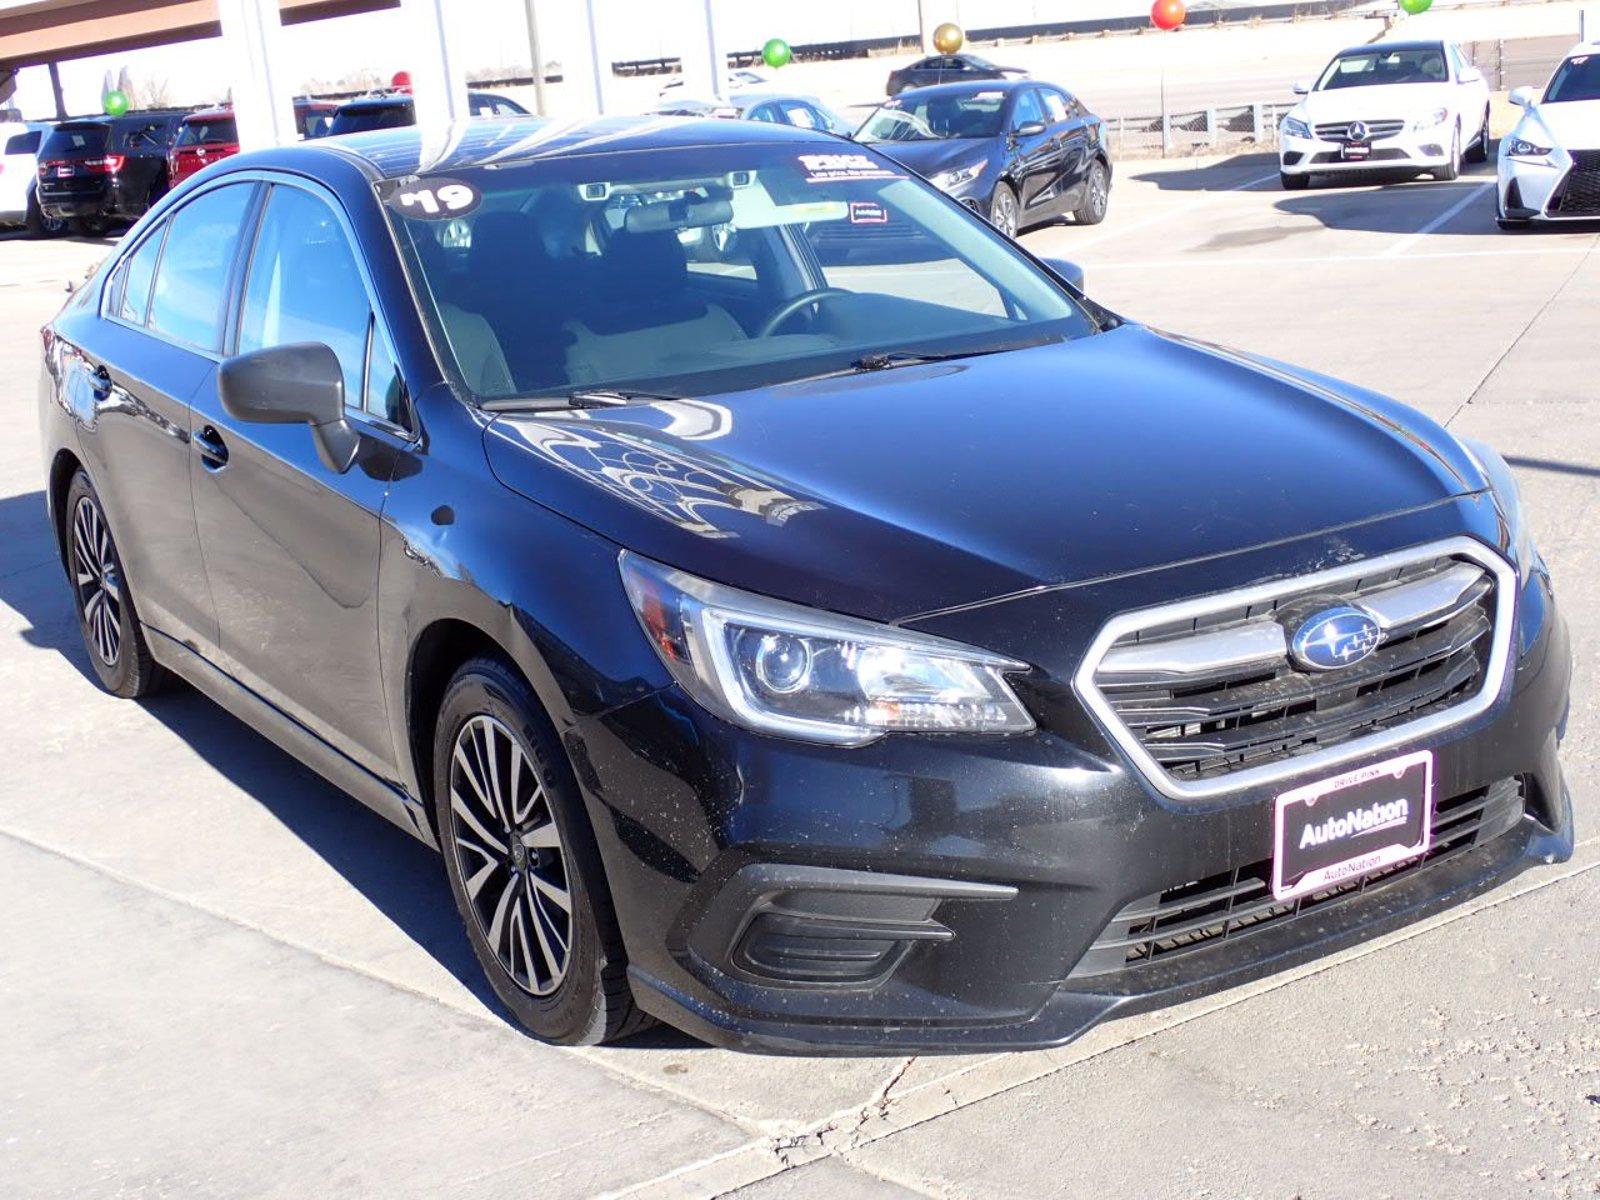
(210, 134)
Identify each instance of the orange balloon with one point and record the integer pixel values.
(1167, 14)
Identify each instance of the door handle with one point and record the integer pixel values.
(213, 450)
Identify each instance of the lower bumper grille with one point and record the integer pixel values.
(1385, 154)
(1232, 903)
(1578, 195)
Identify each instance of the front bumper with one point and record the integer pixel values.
(1540, 189)
(942, 894)
(1416, 150)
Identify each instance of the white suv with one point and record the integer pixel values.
(1550, 163)
(1395, 105)
(19, 179)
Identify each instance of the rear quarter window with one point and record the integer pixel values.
(22, 143)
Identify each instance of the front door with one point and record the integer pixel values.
(290, 546)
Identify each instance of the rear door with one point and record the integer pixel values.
(291, 547)
(154, 344)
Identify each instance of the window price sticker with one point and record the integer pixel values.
(432, 199)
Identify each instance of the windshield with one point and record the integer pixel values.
(1576, 79)
(1378, 67)
(209, 131)
(932, 118)
(706, 269)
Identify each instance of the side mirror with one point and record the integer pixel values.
(1071, 272)
(1522, 97)
(1028, 129)
(1300, 87)
(301, 383)
(1470, 75)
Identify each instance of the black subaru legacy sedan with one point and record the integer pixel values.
(815, 657)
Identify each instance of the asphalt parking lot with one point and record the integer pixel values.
(221, 977)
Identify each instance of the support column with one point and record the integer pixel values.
(263, 86)
(593, 76)
(438, 71)
(541, 103)
(708, 76)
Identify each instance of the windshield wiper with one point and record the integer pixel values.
(579, 397)
(884, 360)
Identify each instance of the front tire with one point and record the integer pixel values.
(106, 615)
(1293, 183)
(1479, 150)
(523, 864)
(1096, 196)
(1003, 211)
(1452, 169)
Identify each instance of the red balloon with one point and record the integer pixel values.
(402, 80)
(1167, 14)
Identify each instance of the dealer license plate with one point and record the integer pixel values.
(1339, 829)
(1357, 150)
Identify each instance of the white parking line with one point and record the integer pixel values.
(1406, 243)
(1167, 212)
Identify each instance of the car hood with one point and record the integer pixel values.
(1393, 102)
(1575, 125)
(898, 492)
(929, 158)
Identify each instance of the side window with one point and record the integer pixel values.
(191, 288)
(1027, 108)
(130, 295)
(23, 143)
(764, 112)
(1055, 104)
(304, 286)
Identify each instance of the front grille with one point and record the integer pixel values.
(1339, 131)
(1219, 693)
(1232, 903)
(1578, 195)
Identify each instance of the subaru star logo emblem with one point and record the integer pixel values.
(1335, 637)
(1358, 131)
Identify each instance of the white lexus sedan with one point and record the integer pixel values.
(1550, 165)
(1418, 106)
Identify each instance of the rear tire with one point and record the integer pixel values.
(1096, 196)
(37, 224)
(523, 864)
(1294, 183)
(107, 618)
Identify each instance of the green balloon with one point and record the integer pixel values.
(1416, 6)
(776, 53)
(116, 103)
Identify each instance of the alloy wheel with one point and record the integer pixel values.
(509, 851)
(97, 581)
(1097, 191)
(1005, 214)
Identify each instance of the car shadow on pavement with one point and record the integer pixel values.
(1395, 209)
(1224, 175)
(399, 875)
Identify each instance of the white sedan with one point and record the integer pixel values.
(1396, 105)
(1550, 163)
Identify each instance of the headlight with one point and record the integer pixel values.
(1507, 498)
(949, 181)
(797, 672)
(1295, 127)
(1522, 148)
(1437, 117)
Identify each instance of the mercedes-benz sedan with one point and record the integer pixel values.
(814, 652)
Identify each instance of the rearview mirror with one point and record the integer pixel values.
(1522, 97)
(1071, 272)
(1300, 87)
(1470, 75)
(301, 383)
(1028, 129)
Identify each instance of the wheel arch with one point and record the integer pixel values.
(63, 467)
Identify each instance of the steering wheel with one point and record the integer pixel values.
(794, 304)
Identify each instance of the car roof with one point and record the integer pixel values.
(400, 99)
(1411, 44)
(971, 86)
(743, 100)
(390, 153)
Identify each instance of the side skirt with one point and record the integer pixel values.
(289, 734)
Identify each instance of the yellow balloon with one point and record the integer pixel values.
(948, 37)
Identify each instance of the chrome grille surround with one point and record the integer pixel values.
(1167, 616)
(1377, 131)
